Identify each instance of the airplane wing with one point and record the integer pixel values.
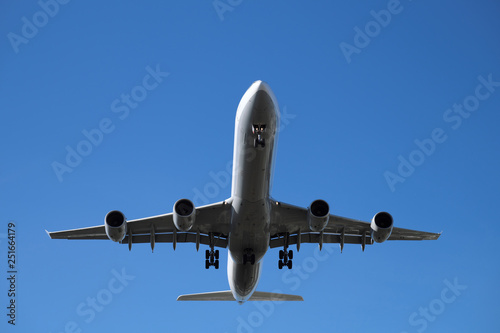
(289, 226)
(212, 224)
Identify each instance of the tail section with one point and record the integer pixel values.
(228, 296)
(212, 296)
(264, 296)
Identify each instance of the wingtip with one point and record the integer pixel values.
(48, 233)
(434, 236)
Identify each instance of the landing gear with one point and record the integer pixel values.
(212, 256)
(248, 257)
(285, 256)
(212, 259)
(259, 140)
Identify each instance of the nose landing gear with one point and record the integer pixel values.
(259, 140)
(248, 257)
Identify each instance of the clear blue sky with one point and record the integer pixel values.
(391, 106)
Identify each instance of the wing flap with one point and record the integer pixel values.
(315, 239)
(182, 237)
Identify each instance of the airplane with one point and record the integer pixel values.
(249, 222)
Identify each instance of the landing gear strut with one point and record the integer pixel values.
(212, 256)
(285, 256)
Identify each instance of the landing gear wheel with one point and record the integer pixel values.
(207, 254)
(252, 259)
(216, 264)
(207, 264)
(217, 254)
(285, 255)
(245, 259)
(257, 143)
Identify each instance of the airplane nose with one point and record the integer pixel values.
(264, 103)
(259, 97)
(262, 86)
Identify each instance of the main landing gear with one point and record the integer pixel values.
(212, 259)
(212, 256)
(285, 255)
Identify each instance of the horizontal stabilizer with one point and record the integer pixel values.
(212, 296)
(263, 296)
(228, 296)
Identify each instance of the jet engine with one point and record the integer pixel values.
(184, 214)
(115, 225)
(317, 215)
(381, 226)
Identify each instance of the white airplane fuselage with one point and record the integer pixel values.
(256, 133)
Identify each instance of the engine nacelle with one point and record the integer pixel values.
(115, 225)
(317, 215)
(381, 226)
(184, 214)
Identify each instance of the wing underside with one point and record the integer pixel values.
(290, 226)
(211, 226)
